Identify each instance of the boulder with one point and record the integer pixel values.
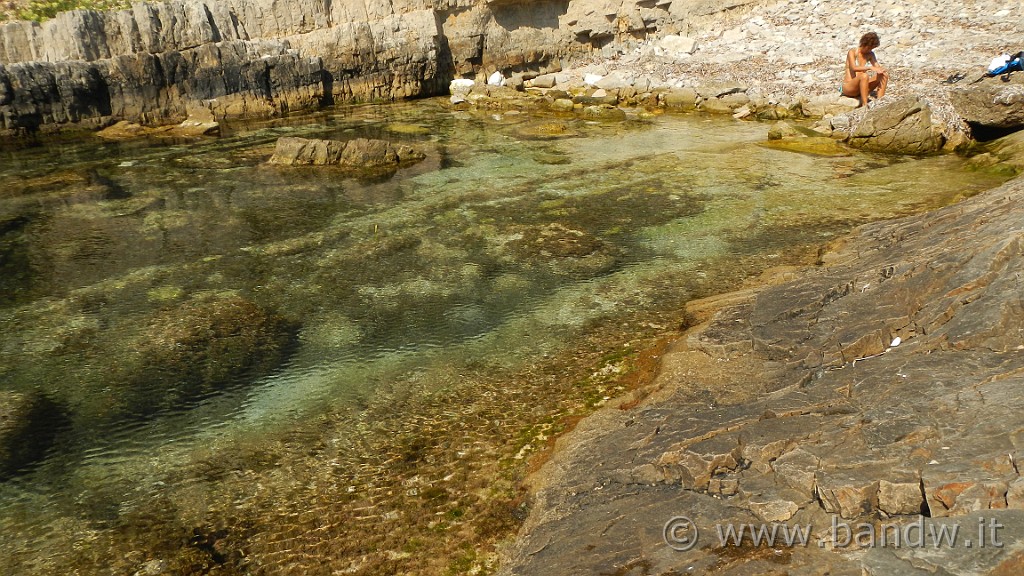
(685, 98)
(359, 153)
(615, 81)
(781, 130)
(726, 104)
(834, 105)
(543, 81)
(190, 128)
(29, 422)
(674, 45)
(459, 89)
(604, 113)
(720, 90)
(991, 104)
(902, 127)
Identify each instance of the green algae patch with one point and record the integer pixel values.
(165, 293)
(410, 129)
(813, 146)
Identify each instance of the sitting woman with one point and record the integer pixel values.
(863, 72)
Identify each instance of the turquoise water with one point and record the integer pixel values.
(233, 352)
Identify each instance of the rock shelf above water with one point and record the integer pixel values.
(359, 153)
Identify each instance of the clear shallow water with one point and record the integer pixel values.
(239, 352)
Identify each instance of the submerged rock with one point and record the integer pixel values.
(356, 154)
(190, 128)
(546, 130)
(28, 425)
(198, 347)
(815, 146)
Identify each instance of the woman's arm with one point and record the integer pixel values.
(851, 62)
(874, 65)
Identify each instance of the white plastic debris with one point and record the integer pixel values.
(895, 342)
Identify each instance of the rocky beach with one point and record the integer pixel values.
(872, 379)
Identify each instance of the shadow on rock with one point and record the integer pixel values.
(29, 425)
(206, 345)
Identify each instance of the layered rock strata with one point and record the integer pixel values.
(156, 63)
(878, 388)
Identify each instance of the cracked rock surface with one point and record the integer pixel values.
(796, 404)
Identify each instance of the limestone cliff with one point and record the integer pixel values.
(154, 63)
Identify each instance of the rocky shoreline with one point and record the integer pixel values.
(876, 389)
(193, 60)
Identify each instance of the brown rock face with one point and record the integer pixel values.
(836, 422)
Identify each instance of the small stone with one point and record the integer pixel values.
(723, 486)
(900, 497)
(846, 495)
(781, 130)
(774, 510)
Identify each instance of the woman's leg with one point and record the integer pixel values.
(857, 87)
(863, 88)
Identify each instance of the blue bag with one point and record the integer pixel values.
(1003, 65)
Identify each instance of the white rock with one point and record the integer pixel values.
(742, 113)
(734, 35)
(459, 88)
(592, 79)
(496, 79)
(674, 44)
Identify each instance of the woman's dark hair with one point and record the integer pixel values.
(869, 40)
